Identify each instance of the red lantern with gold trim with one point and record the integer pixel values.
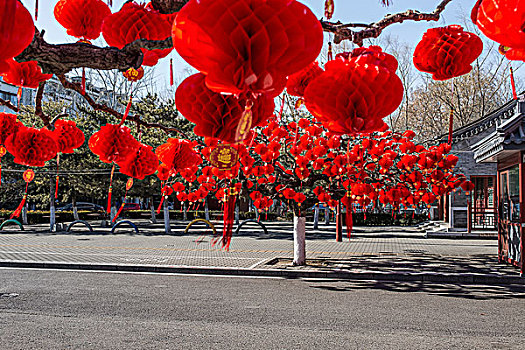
(82, 18)
(247, 45)
(134, 22)
(16, 30)
(217, 115)
(31, 147)
(447, 52)
(354, 95)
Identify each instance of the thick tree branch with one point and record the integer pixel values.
(38, 105)
(373, 30)
(103, 108)
(9, 105)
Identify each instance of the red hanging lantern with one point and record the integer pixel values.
(16, 30)
(298, 82)
(447, 52)
(247, 45)
(134, 22)
(82, 18)
(8, 125)
(31, 147)
(67, 136)
(178, 154)
(217, 115)
(502, 21)
(113, 143)
(133, 74)
(354, 95)
(163, 172)
(140, 163)
(25, 74)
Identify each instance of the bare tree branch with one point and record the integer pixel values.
(38, 105)
(9, 105)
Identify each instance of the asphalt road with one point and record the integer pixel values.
(91, 310)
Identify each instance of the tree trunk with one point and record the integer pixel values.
(184, 212)
(52, 217)
(327, 215)
(316, 217)
(237, 213)
(74, 205)
(152, 207)
(206, 210)
(167, 225)
(299, 240)
(24, 214)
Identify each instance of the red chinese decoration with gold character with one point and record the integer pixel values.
(224, 157)
(82, 18)
(447, 52)
(247, 45)
(16, 30)
(134, 22)
(217, 115)
(133, 74)
(354, 94)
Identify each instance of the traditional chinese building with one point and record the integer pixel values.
(473, 214)
(505, 146)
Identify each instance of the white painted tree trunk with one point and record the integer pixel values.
(206, 210)
(316, 217)
(167, 226)
(327, 216)
(299, 240)
(153, 214)
(24, 214)
(185, 212)
(52, 217)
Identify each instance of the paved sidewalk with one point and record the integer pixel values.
(388, 251)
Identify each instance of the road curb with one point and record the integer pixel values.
(464, 278)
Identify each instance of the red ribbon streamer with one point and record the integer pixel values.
(513, 83)
(229, 212)
(83, 81)
(18, 209)
(171, 71)
(57, 177)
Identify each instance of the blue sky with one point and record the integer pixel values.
(363, 11)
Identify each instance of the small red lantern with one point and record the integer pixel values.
(82, 18)
(8, 125)
(113, 143)
(133, 74)
(298, 82)
(247, 45)
(503, 21)
(16, 30)
(354, 95)
(31, 147)
(140, 163)
(67, 136)
(163, 172)
(217, 115)
(447, 52)
(134, 22)
(26, 74)
(178, 154)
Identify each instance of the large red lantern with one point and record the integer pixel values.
(246, 45)
(25, 74)
(31, 147)
(134, 22)
(16, 30)
(503, 21)
(8, 125)
(217, 115)
(178, 154)
(113, 143)
(82, 18)
(353, 95)
(140, 163)
(447, 52)
(67, 136)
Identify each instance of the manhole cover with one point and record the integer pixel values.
(9, 295)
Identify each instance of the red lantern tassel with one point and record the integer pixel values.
(513, 83)
(171, 71)
(18, 210)
(128, 107)
(160, 205)
(229, 213)
(349, 221)
(57, 177)
(19, 95)
(108, 210)
(83, 81)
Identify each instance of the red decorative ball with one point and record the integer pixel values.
(447, 52)
(26, 74)
(217, 115)
(502, 21)
(8, 125)
(16, 30)
(178, 154)
(67, 136)
(31, 147)
(298, 82)
(140, 163)
(82, 18)
(163, 172)
(113, 143)
(246, 45)
(354, 95)
(134, 22)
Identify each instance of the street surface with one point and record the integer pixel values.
(46, 309)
